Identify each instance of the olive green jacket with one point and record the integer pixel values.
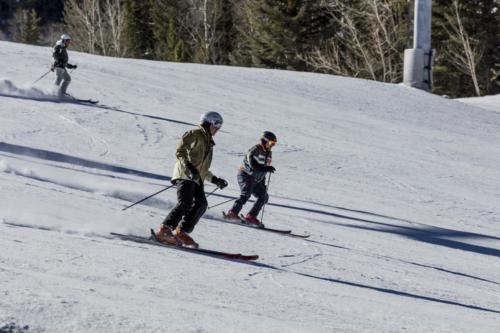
(196, 147)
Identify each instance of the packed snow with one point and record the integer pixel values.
(486, 102)
(397, 188)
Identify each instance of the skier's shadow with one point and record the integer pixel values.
(432, 235)
(112, 108)
(58, 157)
(395, 292)
(53, 99)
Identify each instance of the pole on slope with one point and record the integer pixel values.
(41, 77)
(209, 194)
(221, 203)
(264, 206)
(146, 198)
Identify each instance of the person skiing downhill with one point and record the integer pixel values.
(251, 178)
(192, 168)
(60, 56)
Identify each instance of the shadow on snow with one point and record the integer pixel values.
(53, 99)
(58, 157)
(425, 233)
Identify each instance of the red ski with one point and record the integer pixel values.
(218, 254)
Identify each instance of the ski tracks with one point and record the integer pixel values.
(94, 139)
(410, 189)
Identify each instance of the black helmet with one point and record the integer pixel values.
(267, 137)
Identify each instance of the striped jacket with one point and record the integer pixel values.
(255, 159)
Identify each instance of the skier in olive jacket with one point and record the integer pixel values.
(251, 178)
(192, 168)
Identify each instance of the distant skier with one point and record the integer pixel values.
(60, 56)
(194, 156)
(251, 178)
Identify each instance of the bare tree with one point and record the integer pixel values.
(369, 42)
(96, 25)
(201, 22)
(115, 18)
(81, 23)
(462, 51)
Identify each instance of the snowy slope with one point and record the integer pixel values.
(397, 188)
(487, 102)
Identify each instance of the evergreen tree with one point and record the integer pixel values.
(25, 26)
(47, 10)
(239, 34)
(30, 29)
(164, 28)
(138, 34)
(285, 31)
(227, 32)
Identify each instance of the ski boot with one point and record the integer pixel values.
(254, 221)
(166, 236)
(231, 215)
(185, 239)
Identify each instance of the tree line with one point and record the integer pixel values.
(356, 38)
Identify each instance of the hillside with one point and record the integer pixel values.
(397, 188)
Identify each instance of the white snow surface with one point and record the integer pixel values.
(486, 102)
(397, 188)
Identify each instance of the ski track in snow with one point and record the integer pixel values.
(93, 138)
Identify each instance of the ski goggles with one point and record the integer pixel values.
(271, 143)
(217, 124)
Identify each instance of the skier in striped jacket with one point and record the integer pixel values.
(251, 178)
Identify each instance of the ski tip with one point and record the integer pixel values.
(89, 101)
(242, 257)
(253, 257)
(300, 236)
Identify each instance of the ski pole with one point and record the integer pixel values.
(146, 198)
(209, 194)
(41, 77)
(264, 206)
(221, 203)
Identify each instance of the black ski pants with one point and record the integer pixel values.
(248, 186)
(191, 205)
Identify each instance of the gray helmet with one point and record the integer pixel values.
(212, 118)
(65, 37)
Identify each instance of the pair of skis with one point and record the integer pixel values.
(86, 101)
(243, 222)
(218, 254)
(212, 253)
(68, 97)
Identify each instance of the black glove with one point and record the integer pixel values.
(70, 66)
(219, 182)
(193, 171)
(52, 68)
(268, 168)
